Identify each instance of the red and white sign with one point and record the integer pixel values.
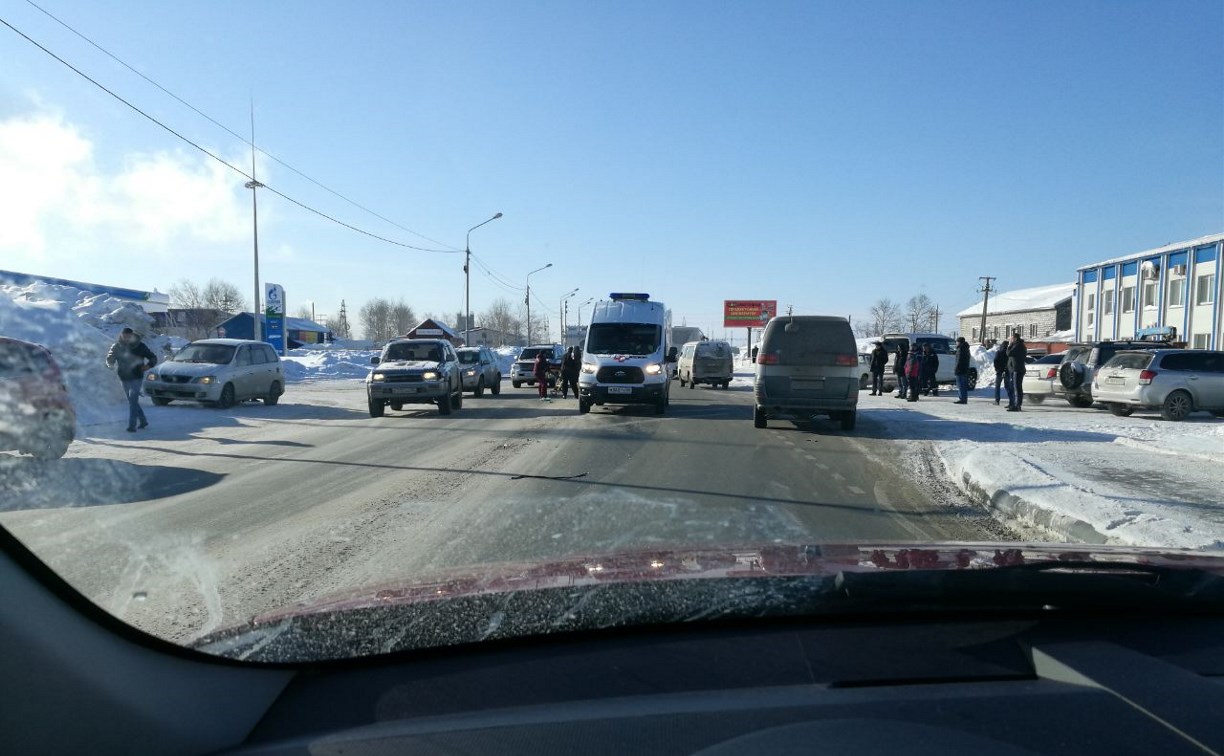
(748, 313)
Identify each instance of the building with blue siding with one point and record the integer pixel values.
(1175, 289)
(300, 331)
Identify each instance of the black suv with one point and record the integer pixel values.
(1080, 362)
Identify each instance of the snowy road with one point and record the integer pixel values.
(211, 516)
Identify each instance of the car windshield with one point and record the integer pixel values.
(636, 339)
(344, 232)
(1134, 361)
(213, 354)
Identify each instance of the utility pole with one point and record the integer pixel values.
(254, 184)
(985, 302)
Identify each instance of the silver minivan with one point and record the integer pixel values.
(706, 361)
(807, 365)
(219, 372)
(1174, 381)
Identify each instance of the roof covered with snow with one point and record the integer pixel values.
(1020, 300)
(1172, 247)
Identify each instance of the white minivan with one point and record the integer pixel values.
(706, 361)
(627, 356)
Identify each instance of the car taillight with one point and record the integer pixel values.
(767, 359)
(1146, 376)
(1052, 373)
(847, 360)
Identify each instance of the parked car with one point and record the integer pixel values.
(524, 367)
(415, 371)
(478, 370)
(36, 415)
(944, 346)
(1079, 363)
(1040, 377)
(1174, 381)
(864, 361)
(219, 372)
(807, 366)
(707, 361)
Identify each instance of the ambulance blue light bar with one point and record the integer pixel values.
(621, 296)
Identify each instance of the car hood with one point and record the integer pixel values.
(407, 365)
(600, 591)
(190, 369)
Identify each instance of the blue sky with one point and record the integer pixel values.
(821, 154)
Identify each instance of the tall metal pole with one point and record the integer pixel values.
(467, 280)
(985, 301)
(529, 275)
(254, 184)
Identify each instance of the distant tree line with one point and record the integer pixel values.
(918, 314)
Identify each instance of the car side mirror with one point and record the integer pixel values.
(374, 360)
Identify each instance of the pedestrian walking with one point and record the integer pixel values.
(962, 370)
(1002, 376)
(1017, 363)
(540, 370)
(900, 357)
(930, 371)
(130, 357)
(879, 359)
(755, 349)
(569, 373)
(913, 374)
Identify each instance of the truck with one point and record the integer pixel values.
(628, 357)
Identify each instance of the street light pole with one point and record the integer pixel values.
(467, 280)
(580, 306)
(562, 307)
(528, 300)
(254, 184)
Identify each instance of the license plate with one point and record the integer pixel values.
(1114, 379)
(620, 389)
(809, 385)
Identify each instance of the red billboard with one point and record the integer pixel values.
(748, 313)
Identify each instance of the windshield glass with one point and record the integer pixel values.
(215, 354)
(646, 193)
(1135, 361)
(637, 339)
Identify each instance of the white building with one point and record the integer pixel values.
(1174, 290)
(1037, 314)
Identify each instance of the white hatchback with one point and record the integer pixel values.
(220, 372)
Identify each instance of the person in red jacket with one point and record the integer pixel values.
(541, 374)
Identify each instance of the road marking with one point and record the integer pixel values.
(822, 465)
(856, 490)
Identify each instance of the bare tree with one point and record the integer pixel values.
(539, 324)
(224, 297)
(885, 316)
(403, 319)
(500, 317)
(304, 313)
(376, 324)
(918, 312)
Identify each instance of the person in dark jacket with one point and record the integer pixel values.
(913, 374)
(569, 373)
(1002, 377)
(540, 371)
(930, 371)
(900, 357)
(1017, 363)
(962, 370)
(129, 357)
(879, 359)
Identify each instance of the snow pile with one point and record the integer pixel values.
(78, 327)
(308, 364)
(1082, 475)
(506, 355)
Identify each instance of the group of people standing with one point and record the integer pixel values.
(917, 371)
(568, 380)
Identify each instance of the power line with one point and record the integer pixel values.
(220, 160)
(485, 267)
(225, 128)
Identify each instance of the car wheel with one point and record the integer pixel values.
(758, 418)
(497, 385)
(1176, 406)
(457, 398)
(1079, 400)
(583, 406)
(683, 383)
(864, 382)
(692, 384)
(847, 420)
(660, 405)
(1071, 375)
(376, 408)
(227, 397)
(1121, 410)
(1037, 399)
(397, 406)
(973, 378)
(479, 391)
(516, 384)
(160, 402)
(274, 392)
(52, 447)
(444, 405)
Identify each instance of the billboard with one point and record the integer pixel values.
(274, 316)
(748, 313)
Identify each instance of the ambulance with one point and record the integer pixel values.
(628, 356)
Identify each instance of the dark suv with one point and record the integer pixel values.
(1079, 364)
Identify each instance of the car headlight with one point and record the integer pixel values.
(430, 375)
(378, 377)
(150, 376)
(206, 380)
(588, 368)
(469, 372)
(653, 369)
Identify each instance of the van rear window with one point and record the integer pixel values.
(809, 341)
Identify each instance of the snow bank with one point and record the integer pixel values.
(506, 355)
(78, 327)
(317, 363)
